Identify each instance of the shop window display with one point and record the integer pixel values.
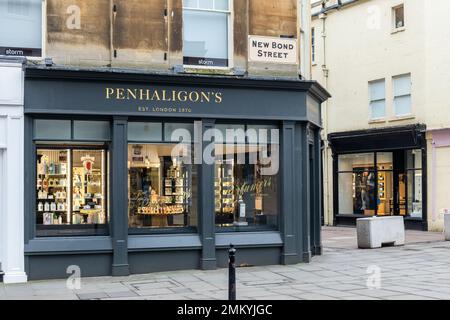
(414, 182)
(160, 184)
(357, 172)
(71, 191)
(385, 185)
(244, 197)
(364, 201)
(381, 183)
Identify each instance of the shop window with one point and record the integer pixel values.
(206, 33)
(52, 129)
(385, 185)
(162, 180)
(381, 183)
(377, 99)
(21, 25)
(263, 133)
(363, 161)
(172, 131)
(162, 185)
(357, 184)
(245, 196)
(144, 131)
(402, 95)
(64, 130)
(71, 190)
(398, 17)
(414, 183)
(91, 130)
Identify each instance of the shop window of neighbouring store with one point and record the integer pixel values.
(21, 25)
(380, 183)
(357, 184)
(162, 180)
(71, 177)
(246, 197)
(206, 33)
(414, 183)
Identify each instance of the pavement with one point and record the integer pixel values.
(417, 271)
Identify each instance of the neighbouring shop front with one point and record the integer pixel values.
(380, 172)
(114, 185)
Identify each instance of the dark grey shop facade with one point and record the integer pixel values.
(105, 193)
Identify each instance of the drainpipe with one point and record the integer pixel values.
(433, 183)
(326, 153)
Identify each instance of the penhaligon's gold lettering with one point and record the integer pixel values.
(141, 94)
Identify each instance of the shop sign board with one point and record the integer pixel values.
(130, 98)
(272, 50)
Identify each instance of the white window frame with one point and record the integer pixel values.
(403, 95)
(371, 117)
(43, 36)
(230, 39)
(394, 18)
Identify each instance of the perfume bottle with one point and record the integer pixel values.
(47, 206)
(45, 184)
(40, 206)
(51, 168)
(53, 206)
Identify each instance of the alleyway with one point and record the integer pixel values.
(419, 270)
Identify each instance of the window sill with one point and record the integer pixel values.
(397, 30)
(374, 121)
(53, 245)
(208, 70)
(164, 242)
(249, 239)
(401, 118)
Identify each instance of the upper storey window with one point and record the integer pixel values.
(21, 28)
(399, 17)
(206, 34)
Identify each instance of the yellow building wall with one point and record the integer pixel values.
(358, 45)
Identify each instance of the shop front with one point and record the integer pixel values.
(380, 172)
(135, 173)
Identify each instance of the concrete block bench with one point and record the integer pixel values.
(375, 231)
(447, 226)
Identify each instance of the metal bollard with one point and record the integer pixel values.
(231, 273)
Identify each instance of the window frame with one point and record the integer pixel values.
(230, 38)
(43, 36)
(394, 18)
(376, 170)
(167, 229)
(72, 131)
(394, 96)
(252, 228)
(371, 117)
(105, 229)
(161, 230)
